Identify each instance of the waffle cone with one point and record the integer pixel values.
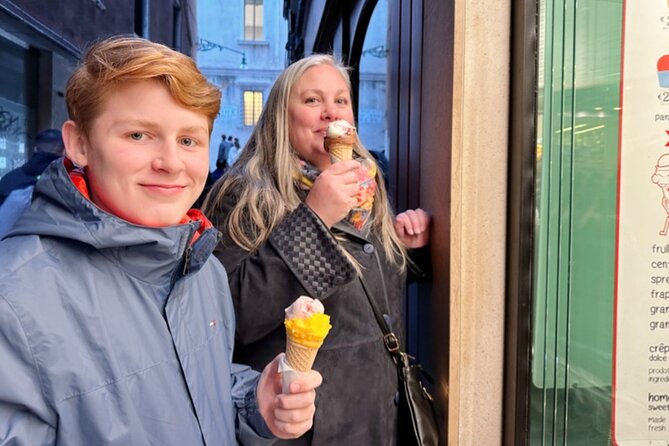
(299, 357)
(341, 148)
(341, 152)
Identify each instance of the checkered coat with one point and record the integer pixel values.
(356, 402)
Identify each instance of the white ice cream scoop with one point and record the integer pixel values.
(339, 128)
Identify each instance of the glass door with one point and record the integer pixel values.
(577, 156)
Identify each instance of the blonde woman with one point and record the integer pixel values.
(294, 224)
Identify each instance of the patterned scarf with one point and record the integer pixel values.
(359, 215)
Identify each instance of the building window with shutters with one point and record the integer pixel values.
(253, 20)
(252, 106)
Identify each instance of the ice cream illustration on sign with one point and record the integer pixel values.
(663, 71)
(661, 178)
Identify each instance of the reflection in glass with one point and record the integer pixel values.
(372, 117)
(576, 181)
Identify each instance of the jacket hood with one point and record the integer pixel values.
(60, 210)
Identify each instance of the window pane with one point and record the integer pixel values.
(253, 20)
(372, 97)
(16, 105)
(248, 22)
(252, 106)
(257, 105)
(258, 33)
(577, 141)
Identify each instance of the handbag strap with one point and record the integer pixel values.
(390, 341)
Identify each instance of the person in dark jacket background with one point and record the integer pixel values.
(223, 148)
(116, 322)
(16, 186)
(48, 147)
(285, 212)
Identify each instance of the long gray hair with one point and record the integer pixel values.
(266, 172)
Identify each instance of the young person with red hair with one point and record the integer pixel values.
(116, 322)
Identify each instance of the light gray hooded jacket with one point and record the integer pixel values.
(116, 334)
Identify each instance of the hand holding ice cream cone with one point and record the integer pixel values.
(287, 414)
(341, 136)
(306, 328)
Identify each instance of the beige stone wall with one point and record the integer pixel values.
(478, 221)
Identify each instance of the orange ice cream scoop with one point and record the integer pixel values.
(306, 328)
(308, 332)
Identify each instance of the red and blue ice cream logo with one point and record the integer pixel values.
(663, 71)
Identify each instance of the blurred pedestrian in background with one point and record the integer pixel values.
(16, 187)
(48, 147)
(223, 148)
(221, 167)
(234, 152)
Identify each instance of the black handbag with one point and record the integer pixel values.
(417, 420)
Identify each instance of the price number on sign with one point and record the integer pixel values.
(664, 97)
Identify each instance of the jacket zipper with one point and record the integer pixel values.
(187, 255)
(180, 272)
